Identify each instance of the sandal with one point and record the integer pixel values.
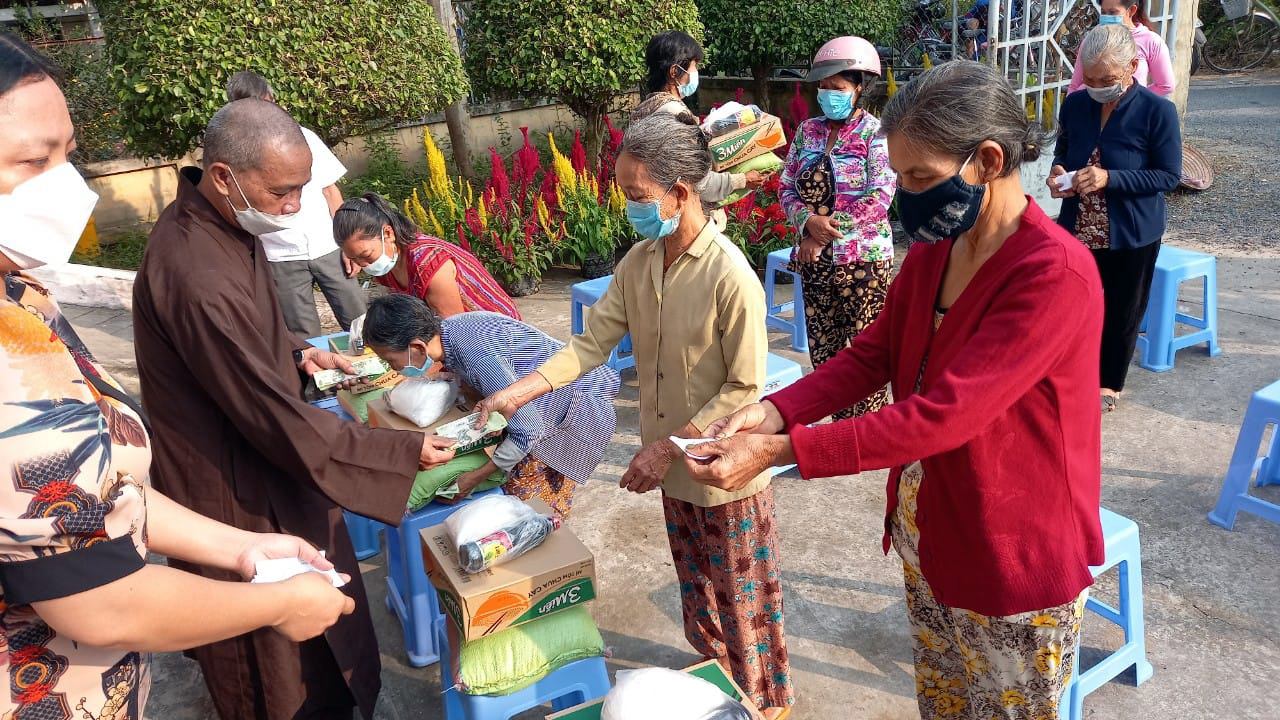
(780, 716)
(1109, 403)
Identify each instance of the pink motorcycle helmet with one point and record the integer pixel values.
(841, 54)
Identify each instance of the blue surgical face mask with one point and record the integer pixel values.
(1110, 20)
(946, 210)
(646, 217)
(383, 264)
(836, 104)
(410, 371)
(690, 87)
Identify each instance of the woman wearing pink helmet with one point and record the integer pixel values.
(836, 188)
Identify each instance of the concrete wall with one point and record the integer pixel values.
(133, 192)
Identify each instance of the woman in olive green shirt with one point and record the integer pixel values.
(695, 311)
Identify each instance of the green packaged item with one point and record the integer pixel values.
(765, 163)
(515, 658)
(442, 481)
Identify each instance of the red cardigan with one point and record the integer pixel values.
(1007, 422)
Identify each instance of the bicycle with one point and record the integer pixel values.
(924, 35)
(1244, 38)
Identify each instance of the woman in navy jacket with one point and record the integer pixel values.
(1121, 148)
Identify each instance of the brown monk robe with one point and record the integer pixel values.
(235, 441)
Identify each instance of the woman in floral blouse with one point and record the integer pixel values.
(836, 188)
(80, 608)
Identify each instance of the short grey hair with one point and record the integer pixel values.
(248, 84)
(671, 148)
(957, 106)
(1108, 45)
(241, 132)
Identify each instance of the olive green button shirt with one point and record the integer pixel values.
(698, 333)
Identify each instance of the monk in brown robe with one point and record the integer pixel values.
(222, 382)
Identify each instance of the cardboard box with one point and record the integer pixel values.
(557, 575)
(745, 143)
(708, 670)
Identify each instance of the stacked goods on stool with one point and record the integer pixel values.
(520, 618)
(434, 406)
(739, 133)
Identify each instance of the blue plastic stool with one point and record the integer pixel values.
(1264, 410)
(779, 373)
(1173, 267)
(780, 261)
(585, 294)
(366, 534)
(578, 682)
(410, 594)
(1120, 535)
(322, 341)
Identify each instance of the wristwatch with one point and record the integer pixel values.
(298, 357)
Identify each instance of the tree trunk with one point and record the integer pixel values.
(593, 136)
(456, 115)
(760, 86)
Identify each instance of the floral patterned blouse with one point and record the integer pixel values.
(72, 515)
(863, 185)
(1093, 224)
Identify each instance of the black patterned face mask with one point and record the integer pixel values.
(945, 210)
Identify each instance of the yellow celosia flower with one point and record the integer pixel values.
(414, 209)
(543, 213)
(483, 212)
(617, 201)
(563, 168)
(436, 175)
(435, 224)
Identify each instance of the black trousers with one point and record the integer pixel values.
(1126, 283)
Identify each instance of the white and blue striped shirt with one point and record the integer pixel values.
(568, 429)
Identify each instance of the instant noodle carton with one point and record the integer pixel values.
(557, 575)
(747, 142)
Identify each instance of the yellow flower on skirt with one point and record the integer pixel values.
(1048, 658)
(979, 619)
(931, 682)
(974, 662)
(1013, 698)
(1044, 620)
(947, 704)
(932, 640)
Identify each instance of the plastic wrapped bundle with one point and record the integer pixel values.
(668, 694)
(495, 529)
(423, 402)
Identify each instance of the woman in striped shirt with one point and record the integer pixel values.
(388, 246)
(553, 444)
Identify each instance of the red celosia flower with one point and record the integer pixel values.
(737, 97)
(498, 180)
(472, 218)
(462, 239)
(780, 230)
(798, 108)
(578, 154)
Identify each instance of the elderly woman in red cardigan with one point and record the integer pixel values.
(990, 339)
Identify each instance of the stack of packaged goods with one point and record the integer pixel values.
(512, 584)
(742, 138)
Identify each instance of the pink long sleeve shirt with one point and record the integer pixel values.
(1153, 61)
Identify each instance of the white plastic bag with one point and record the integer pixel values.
(423, 401)
(652, 693)
(723, 111)
(356, 336)
(494, 529)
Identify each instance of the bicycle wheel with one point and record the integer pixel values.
(1240, 44)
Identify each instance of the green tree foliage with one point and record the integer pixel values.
(759, 35)
(342, 67)
(583, 53)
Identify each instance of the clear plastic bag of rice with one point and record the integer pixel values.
(423, 401)
(651, 693)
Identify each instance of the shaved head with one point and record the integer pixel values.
(243, 132)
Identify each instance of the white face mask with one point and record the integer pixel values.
(42, 219)
(256, 222)
(384, 263)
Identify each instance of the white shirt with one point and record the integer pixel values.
(313, 237)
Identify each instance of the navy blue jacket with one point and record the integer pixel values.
(1141, 152)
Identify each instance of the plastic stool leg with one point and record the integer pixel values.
(1235, 486)
(1131, 609)
(575, 318)
(1211, 308)
(1157, 350)
(1269, 467)
(770, 285)
(800, 334)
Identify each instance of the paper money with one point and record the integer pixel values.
(468, 437)
(365, 367)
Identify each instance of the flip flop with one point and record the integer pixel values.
(1109, 403)
(781, 716)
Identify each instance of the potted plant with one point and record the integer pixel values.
(591, 214)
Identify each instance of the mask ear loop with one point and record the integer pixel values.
(247, 204)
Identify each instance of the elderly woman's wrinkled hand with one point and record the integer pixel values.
(502, 402)
(649, 466)
(738, 460)
(1052, 181)
(761, 418)
(1090, 179)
